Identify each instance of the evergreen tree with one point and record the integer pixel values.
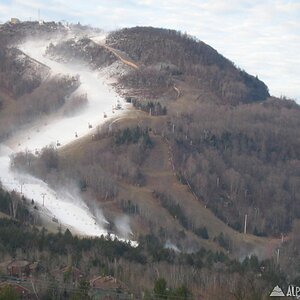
(160, 288)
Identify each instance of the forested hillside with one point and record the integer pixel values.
(242, 160)
(84, 50)
(173, 53)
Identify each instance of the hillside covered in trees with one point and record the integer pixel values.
(168, 52)
(243, 160)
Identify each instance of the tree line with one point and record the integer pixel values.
(149, 270)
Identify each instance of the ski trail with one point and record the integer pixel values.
(65, 209)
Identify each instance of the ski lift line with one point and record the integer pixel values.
(57, 142)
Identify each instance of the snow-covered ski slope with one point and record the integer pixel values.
(68, 209)
(101, 98)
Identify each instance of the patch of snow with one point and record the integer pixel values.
(99, 39)
(171, 246)
(116, 69)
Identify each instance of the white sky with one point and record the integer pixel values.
(262, 37)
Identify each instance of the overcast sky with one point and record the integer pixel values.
(262, 37)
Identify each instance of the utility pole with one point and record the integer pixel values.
(21, 187)
(278, 252)
(245, 224)
(43, 195)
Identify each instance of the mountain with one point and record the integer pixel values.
(152, 136)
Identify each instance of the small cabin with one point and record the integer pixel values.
(18, 268)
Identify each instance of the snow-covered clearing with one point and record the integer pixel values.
(68, 209)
